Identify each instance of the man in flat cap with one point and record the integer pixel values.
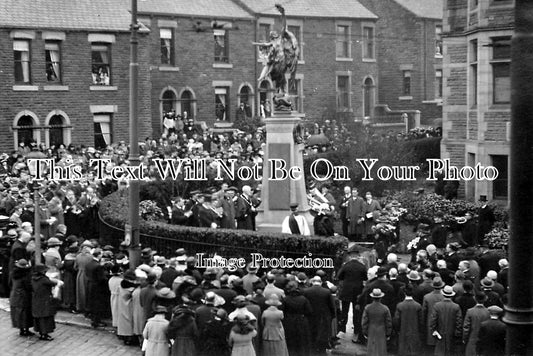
(492, 333)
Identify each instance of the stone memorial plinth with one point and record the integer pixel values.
(277, 195)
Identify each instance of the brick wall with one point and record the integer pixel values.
(405, 39)
(194, 58)
(76, 101)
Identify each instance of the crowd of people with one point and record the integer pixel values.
(443, 302)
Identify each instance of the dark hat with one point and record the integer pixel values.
(151, 278)
(437, 283)
(40, 269)
(353, 249)
(129, 275)
(108, 248)
(377, 293)
(422, 227)
(22, 263)
(239, 301)
(232, 188)
(382, 271)
(251, 268)
(487, 282)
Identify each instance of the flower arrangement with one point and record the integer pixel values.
(413, 244)
(149, 211)
(497, 238)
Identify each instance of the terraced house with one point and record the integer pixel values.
(477, 90)
(64, 76)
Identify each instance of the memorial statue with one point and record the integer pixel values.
(280, 56)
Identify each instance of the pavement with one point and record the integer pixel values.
(73, 336)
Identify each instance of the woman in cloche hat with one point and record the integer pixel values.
(241, 335)
(20, 298)
(155, 334)
(376, 324)
(43, 310)
(273, 333)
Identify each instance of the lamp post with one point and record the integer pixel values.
(519, 308)
(134, 247)
(33, 159)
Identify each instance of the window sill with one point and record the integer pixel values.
(223, 124)
(344, 59)
(55, 88)
(168, 69)
(223, 65)
(405, 98)
(301, 61)
(25, 87)
(369, 60)
(103, 88)
(434, 101)
(438, 56)
(500, 107)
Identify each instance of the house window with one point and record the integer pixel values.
(25, 130)
(55, 131)
(102, 130)
(473, 72)
(368, 97)
(501, 184)
(438, 41)
(473, 3)
(501, 70)
(264, 32)
(246, 99)
(368, 42)
(343, 93)
(167, 46)
(295, 91)
(297, 32)
(222, 103)
(186, 103)
(101, 64)
(221, 46)
(438, 84)
(168, 101)
(21, 50)
(406, 82)
(343, 41)
(53, 61)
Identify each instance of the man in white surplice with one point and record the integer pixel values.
(295, 224)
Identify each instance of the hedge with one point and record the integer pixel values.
(228, 243)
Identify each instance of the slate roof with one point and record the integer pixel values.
(110, 15)
(202, 8)
(312, 8)
(429, 9)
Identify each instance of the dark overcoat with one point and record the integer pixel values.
(409, 321)
(352, 274)
(446, 319)
(323, 312)
(377, 326)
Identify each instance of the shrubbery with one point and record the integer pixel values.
(422, 208)
(229, 243)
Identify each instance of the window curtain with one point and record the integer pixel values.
(54, 57)
(106, 132)
(24, 48)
